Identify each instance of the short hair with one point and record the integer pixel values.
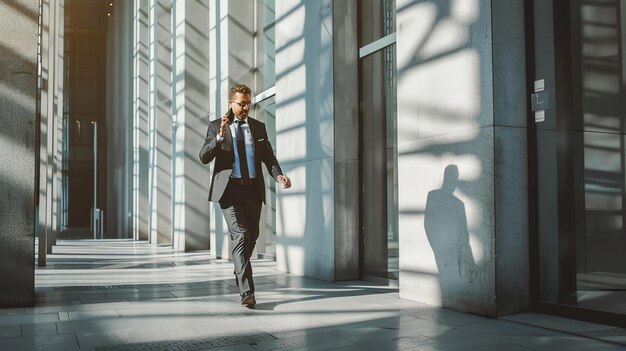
(239, 88)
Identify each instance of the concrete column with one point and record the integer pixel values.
(111, 128)
(119, 121)
(511, 157)
(51, 107)
(219, 84)
(190, 89)
(126, 230)
(160, 112)
(52, 123)
(346, 125)
(18, 125)
(140, 119)
(305, 138)
(462, 154)
(44, 227)
(58, 122)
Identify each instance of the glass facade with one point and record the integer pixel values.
(581, 155)
(266, 245)
(601, 272)
(265, 110)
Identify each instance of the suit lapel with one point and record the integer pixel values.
(228, 140)
(254, 132)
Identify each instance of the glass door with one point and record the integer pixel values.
(84, 109)
(578, 135)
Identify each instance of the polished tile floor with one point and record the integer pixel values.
(120, 295)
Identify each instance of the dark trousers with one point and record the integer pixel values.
(241, 206)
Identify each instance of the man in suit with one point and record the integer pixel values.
(239, 144)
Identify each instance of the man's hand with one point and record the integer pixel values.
(223, 126)
(285, 181)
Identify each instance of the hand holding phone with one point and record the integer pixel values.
(227, 119)
(230, 115)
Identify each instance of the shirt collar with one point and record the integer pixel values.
(245, 120)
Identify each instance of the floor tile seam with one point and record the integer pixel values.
(337, 334)
(280, 342)
(76, 293)
(108, 264)
(108, 283)
(564, 332)
(127, 272)
(74, 308)
(95, 327)
(105, 281)
(50, 315)
(227, 340)
(10, 315)
(486, 329)
(478, 343)
(590, 326)
(130, 313)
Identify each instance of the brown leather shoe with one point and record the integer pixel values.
(247, 299)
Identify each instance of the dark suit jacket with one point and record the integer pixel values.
(224, 157)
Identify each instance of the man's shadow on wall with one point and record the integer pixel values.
(445, 223)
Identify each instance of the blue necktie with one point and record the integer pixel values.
(241, 150)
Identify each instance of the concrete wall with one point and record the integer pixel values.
(190, 105)
(305, 135)
(511, 168)
(18, 86)
(462, 152)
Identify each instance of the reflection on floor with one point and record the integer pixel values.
(602, 291)
(120, 295)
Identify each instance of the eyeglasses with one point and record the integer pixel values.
(243, 105)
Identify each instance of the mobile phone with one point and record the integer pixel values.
(230, 115)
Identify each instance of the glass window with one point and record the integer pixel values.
(266, 46)
(266, 245)
(601, 239)
(581, 160)
(377, 20)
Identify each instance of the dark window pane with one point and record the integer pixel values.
(377, 19)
